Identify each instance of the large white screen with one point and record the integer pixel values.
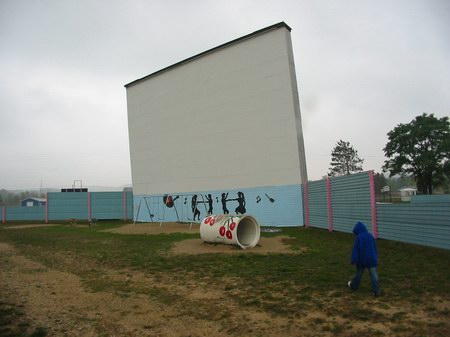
(226, 119)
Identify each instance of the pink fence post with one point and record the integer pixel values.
(124, 206)
(46, 207)
(373, 204)
(330, 213)
(89, 207)
(3, 215)
(305, 199)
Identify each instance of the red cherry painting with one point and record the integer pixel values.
(232, 225)
(222, 230)
(229, 235)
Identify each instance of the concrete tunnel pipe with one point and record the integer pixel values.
(240, 230)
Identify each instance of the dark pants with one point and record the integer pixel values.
(356, 280)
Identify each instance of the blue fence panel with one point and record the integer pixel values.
(25, 213)
(64, 206)
(110, 205)
(425, 223)
(317, 204)
(107, 205)
(129, 205)
(75, 205)
(421, 199)
(350, 200)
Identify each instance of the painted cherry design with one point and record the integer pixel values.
(232, 226)
(210, 220)
(222, 230)
(229, 235)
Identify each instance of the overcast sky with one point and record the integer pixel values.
(362, 68)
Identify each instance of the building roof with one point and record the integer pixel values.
(36, 199)
(258, 32)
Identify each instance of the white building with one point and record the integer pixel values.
(407, 192)
(223, 125)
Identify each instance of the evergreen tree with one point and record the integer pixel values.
(344, 160)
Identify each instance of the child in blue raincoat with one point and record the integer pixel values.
(364, 256)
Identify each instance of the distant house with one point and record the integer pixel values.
(31, 202)
(407, 192)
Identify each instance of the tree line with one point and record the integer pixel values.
(419, 150)
(11, 198)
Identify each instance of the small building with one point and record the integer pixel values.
(407, 192)
(32, 202)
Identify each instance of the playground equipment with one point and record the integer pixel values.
(160, 207)
(239, 230)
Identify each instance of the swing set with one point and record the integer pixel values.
(154, 207)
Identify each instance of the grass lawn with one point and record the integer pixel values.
(306, 290)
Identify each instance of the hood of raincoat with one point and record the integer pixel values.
(359, 228)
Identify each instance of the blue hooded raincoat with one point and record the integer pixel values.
(364, 254)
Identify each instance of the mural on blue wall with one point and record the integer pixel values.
(195, 210)
(258, 198)
(224, 203)
(241, 203)
(169, 201)
(209, 199)
(272, 200)
(260, 202)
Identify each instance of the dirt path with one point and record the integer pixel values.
(31, 226)
(155, 228)
(59, 302)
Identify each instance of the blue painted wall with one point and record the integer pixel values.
(272, 206)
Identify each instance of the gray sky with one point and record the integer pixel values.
(362, 68)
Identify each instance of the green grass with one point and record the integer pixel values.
(403, 267)
(280, 284)
(405, 270)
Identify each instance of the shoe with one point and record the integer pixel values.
(349, 284)
(374, 294)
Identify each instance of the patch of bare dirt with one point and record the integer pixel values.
(197, 246)
(264, 246)
(155, 228)
(58, 301)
